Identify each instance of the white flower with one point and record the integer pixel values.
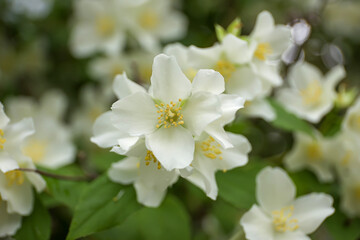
(259, 107)
(9, 222)
(231, 59)
(50, 145)
(279, 216)
(141, 168)
(311, 153)
(267, 43)
(351, 123)
(210, 156)
(311, 95)
(172, 113)
(102, 26)
(350, 190)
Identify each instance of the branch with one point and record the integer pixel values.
(62, 177)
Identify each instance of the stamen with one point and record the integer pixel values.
(2, 139)
(282, 219)
(149, 158)
(211, 149)
(312, 94)
(262, 50)
(14, 176)
(225, 68)
(171, 114)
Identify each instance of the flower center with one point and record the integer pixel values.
(105, 25)
(211, 149)
(314, 151)
(282, 219)
(190, 73)
(262, 50)
(36, 150)
(170, 114)
(225, 68)
(14, 176)
(149, 158)
(346, 159)
(149, 20)
(2, 139)
(312, 93)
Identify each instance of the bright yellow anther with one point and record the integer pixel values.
(262, 50)
(2, 139)
(282, 219)
(14, 176)
(149, 158)
(171, 115)
(210, 148)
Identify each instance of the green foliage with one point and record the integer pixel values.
(37, 226)
(238, 185)
(288, 121)
(102, 205)
(169, 221)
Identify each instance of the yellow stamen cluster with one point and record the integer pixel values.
(105, 25)
(151, 158)
(211, 148)
(149, 20)
(170, 114)
(314, 151)
(262, 50)
(312, 93)
(36, 150)
(2, 139)
(282, 219)
(225, 68)
(14, 176)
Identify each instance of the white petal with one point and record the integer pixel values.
(230, 104)
(36, 180)
(236, 49)
(125, 171)
(274, 189)
(259, 108)
(9, 223)
(125, 144)
(311, 210)
(334, 76)
(4, 120)
(257, 225)
(204, 57)
(301, 74)
(168, 81)
(208, 80)
(279, 40)
(264, 24)
(17, 132)
(83, 40)
(236, 156)
(149, 197)
(135, 114)
(18, 196)
(54, 103)
(245, 83)
(269, 73)
(7, 162)
(59, 154)
(201, 109)
(124, 87)
(173, 147)
(105, 133)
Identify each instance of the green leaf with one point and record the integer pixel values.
(102, 205)
(36, 226)
(288, 121)
(64, 191)
(235, 27)
(102, 160)
(220, 32)
(238, 185)
(342, 228)
(169, 221)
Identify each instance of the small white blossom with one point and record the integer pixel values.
(310, 95)
(311, 153)
(279, 216)
(350, 190)
(9, 222)
(351, 123)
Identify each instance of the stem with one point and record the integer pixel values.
(62, 177)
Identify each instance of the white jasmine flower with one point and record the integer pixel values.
(230, 59)
(351, 123)
(9, 222)
(34, 9)
(173, 112)
(279, 215)
(50, 145)
(267, 43)
(310, 95)
(350, 190)
(311, 153)
(103, 26)
(210, 157)
(259, 107)
(142, 168)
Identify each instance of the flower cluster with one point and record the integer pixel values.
(175, 128)
(16, 186)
